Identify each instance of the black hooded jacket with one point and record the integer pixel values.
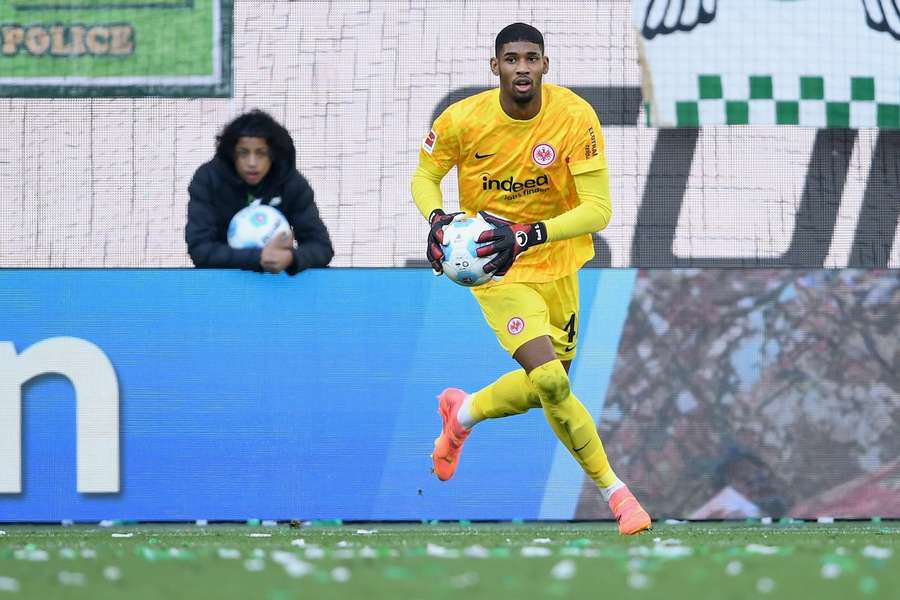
(217, 193)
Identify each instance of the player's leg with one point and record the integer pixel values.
(567, 416)
(517, 313)
(570, 420)
(512, 394)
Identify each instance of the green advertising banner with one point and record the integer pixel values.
(812, 63)
(73, 48)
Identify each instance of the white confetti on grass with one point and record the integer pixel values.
(662, 551)
(68, 553)
(270, 523)
(8, 584)
(464, 580)
(32, 554)
(122, 535)
(366, 531)
(831, 571)
(667, 542)
(765, 585)
(298, 569)
(564, 569)
(368, 552)
(314, 553)
(112, 573)
(254, 565)
(259, 535)
(825, 520)
(107, 523)
(201, 522)
(2, 532)
(439, 551)
(88, 553)
(761, 549)
(298, 542)
(72, 578)
(638, 581)
(535, 551)
(476, 551)
(229, 553)
(541, 541)
(734, 568)
(635, 564)
(340, 574)
(877, 552)
(292, 564)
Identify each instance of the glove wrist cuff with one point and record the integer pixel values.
(537, 235)
(435, 213)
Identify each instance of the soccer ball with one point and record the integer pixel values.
(254, 226)
(460, 263)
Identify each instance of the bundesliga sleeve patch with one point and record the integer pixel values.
(429, 142)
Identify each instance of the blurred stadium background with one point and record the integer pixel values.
(357, 84)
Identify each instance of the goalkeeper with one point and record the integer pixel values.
(530, 159)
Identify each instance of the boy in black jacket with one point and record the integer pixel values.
(255, 160)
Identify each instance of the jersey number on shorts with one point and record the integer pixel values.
(570, 329)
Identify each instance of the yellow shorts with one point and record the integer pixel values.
(521, 312)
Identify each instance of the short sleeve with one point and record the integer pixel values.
(586, 150)
(440, 147)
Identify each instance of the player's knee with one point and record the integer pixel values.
(551, 381)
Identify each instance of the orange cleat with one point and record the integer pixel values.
(630, 515)
(447, 446)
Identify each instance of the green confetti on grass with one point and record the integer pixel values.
(868, 585)
(558, 589)
(396, 573)
(320, 523)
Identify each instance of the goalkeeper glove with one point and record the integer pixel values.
(507, 240)
(438, 220)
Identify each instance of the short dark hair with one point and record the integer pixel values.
(260, 124)
(518, 32)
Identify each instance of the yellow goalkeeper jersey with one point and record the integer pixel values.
(521, 170)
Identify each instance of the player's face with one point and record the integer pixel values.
(252, 159)
(520, 66)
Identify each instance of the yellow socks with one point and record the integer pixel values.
(512, 394)
(546, 386)
(571, 421)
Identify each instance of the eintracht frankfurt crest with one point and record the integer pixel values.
(543, 155)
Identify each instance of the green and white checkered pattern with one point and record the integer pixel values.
(813, 106)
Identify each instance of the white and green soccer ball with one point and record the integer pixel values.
(460, 263)
(254, 226)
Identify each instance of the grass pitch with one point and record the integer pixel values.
(451, 560)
